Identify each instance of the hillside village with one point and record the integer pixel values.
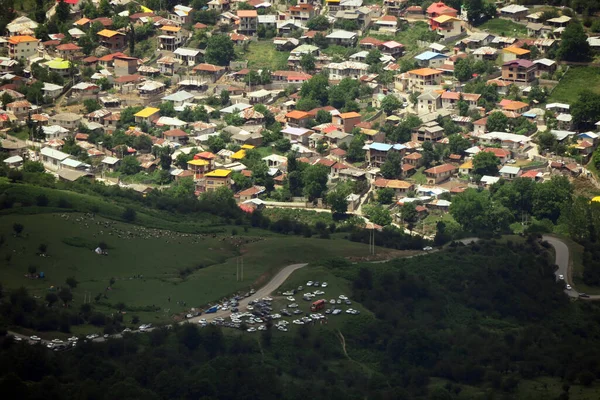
(310, 105)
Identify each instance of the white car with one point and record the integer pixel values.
(50, 345)
(319, 292)
(250, 308)
(251, 329)
(202, 321)
(57, 341)
(282, 328)
(569, 287)
(34, 338)
(290, 298)
(309, 283)
(561, 277)
(332, 301)
(324, 284)
(298, 322)
(17, 338)
(74, 338)
(337, 311)
(106, 336)
(126, 330)
(262, 328)
(342, 297)
(427, 248)
(293, 305)
(288, 293)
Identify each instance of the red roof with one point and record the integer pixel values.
(440, 8)
(67, 47)
(72, 2)
(206, 155)
(532, 174)
(498, 152)
(440, 169)
(175, 133)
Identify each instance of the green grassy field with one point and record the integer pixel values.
(503, 27)
(262, 54)
(574, 81)
(149, 265)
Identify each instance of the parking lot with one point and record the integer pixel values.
(306, 304)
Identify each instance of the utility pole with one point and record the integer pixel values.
(237, 269)
(242, 268)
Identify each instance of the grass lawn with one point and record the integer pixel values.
(335, 287)
(20, 134)
(147, 264)
(409, 37)
(575, 80)
(419, 177)
(262, 54)
(503, 27)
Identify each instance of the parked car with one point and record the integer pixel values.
(309, 283)
(569, 287)
(35, 338)
(561, 277)
(324, 284)
(427, 248)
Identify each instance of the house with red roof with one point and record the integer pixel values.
(67, 51)
(502, 154)
(209, 71)
(176, 136)
(439, 8)
(440, 173)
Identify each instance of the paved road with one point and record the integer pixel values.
(265, 291)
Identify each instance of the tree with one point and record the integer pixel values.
(409, 214)
(463, 106)
(318, 23)
(355, 149)
(586, 110)
(485, 163)
(373, 57)
(497, 122)
(216, 143)
(65, 295)
(51, 298)
(224, 98)
(18, 228)
(314, 178)
(130, 166)
(320, 40)
(337, 201)
(142, 143)
(458, 144)
(91, 105)
(63, 11)
(72, 282)
(390, 103)
(392, 167)
(546, 141)
(323, 117)
(129, 214)
(378, 214)
(549, 198)
(307, 62)
(33, 166)
(219, 50)
(6, 99)
(385, 195)
(463, 70)
(42, 248)
(573, 44)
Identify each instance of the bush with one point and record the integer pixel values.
(129, 214)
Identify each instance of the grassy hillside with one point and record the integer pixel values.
(575, 80)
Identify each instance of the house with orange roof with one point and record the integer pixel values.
(346, 120)
(248, 23)
(112, 40)
(439, 173)
(170, 38)
(22, 46)
(176, 136)
(209, 71)
(302, 12)
(502, 154)
(67, 51)
(419, 79)
(446, 26)
(297, 118)
(515, 106)
(369, 43)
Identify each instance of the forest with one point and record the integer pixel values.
(488, 316)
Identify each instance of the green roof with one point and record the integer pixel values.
(58, 63)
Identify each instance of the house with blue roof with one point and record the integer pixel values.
(431, 59)
(377, 152)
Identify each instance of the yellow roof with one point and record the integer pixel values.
(238, 155)
(146, 112)
(516, 50)
(393, 118)
(218, 173)
(248, 146)
(369, 132)
(444, 18)
(108, 33)
(596, 199)
(467, 165)
(198, 162)
(146, 9)
(169, 28)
